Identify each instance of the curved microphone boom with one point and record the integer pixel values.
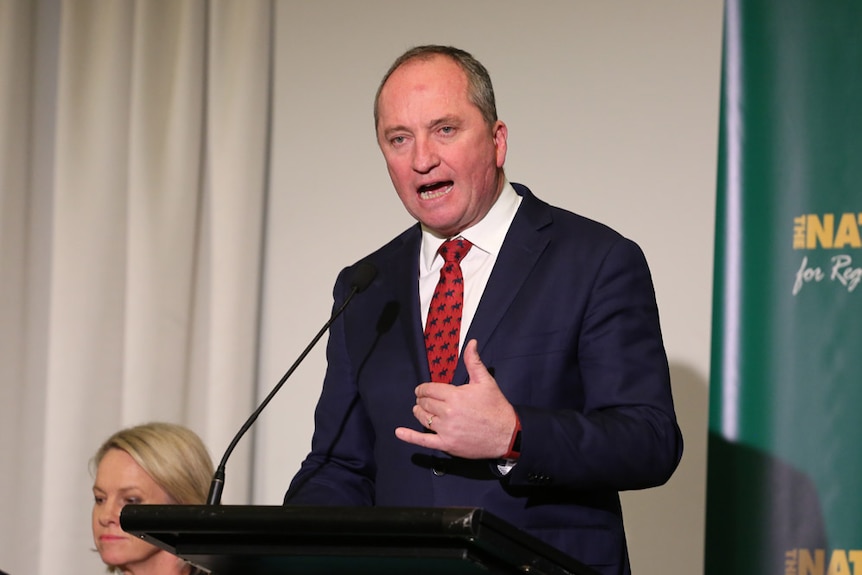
(363, 274)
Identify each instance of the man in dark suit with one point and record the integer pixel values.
(561, 395)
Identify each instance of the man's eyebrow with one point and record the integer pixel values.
(392, 129)
(450, 119)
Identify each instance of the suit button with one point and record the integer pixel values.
(438, 468)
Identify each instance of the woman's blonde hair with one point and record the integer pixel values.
(173, 455)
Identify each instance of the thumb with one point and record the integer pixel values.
(476, 370)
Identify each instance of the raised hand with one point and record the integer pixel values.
(473, 421)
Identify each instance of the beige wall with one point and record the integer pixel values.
(612, 108)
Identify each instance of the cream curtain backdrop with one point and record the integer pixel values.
(133, 161)
(181, 181)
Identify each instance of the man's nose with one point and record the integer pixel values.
(425, 157)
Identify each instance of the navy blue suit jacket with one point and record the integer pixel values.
(569, 326)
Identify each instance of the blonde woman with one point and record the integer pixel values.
(155, 463)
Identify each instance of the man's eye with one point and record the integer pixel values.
(397, 140)
(447, 129)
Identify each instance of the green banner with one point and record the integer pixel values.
(784, 479)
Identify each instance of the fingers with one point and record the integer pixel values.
(429, 440)
(476, 370)
(423, 416)
(455, 415)
(471, 352)
(429, 392)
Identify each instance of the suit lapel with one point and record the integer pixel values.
(526, 240)
(405, 272)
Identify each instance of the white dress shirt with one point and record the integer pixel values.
(487, 238)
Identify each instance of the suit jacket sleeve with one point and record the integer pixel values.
(620, 432)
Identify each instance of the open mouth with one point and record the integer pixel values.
(435, 190)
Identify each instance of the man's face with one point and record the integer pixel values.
(442, 156)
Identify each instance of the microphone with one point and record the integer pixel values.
(362, 276)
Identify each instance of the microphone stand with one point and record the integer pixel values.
(362, 278)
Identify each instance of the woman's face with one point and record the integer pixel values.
(121, 481)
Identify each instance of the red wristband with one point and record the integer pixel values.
(514, 451)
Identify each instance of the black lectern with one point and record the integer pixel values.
(270, 540)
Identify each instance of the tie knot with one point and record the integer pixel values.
(454, 250)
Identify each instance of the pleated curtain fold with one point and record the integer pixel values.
(133, 160)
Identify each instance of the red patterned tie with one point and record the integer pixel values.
(443, 327)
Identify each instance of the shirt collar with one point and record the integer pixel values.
(487, 234)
